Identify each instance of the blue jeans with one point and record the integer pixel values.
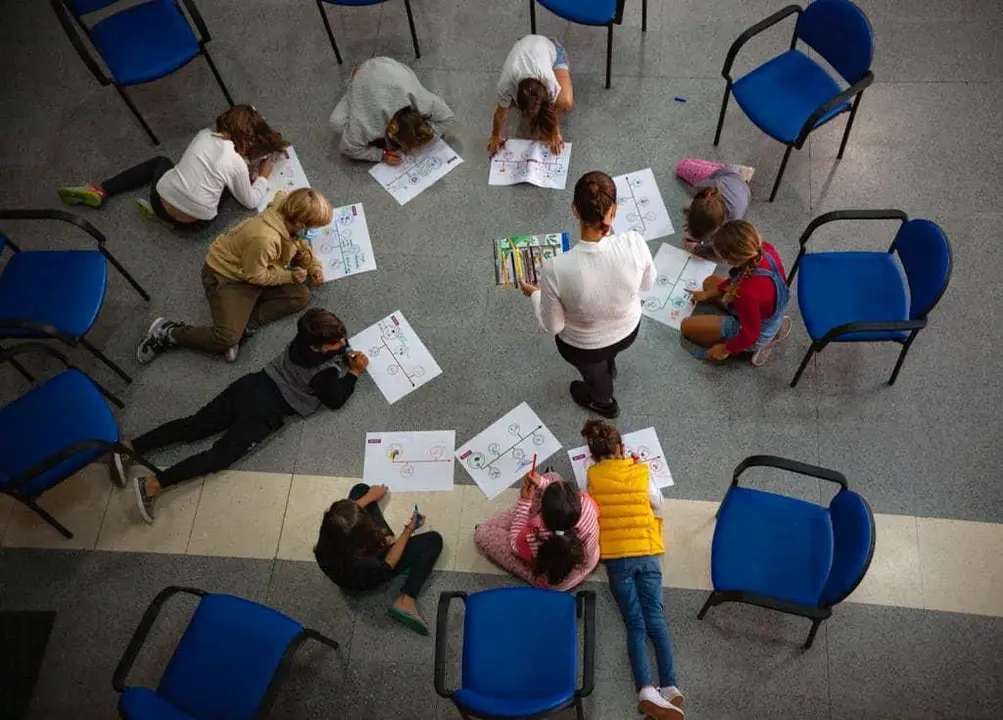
(636, 584)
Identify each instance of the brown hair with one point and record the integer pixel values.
(306, 207)
(409, 129)
(595, 194)
(318, 326)
(347, 532)
(738, 244)
(563, 550)
(252, 137)
(707, 213)
(603, 439)
(533, 99)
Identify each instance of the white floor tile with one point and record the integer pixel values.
(960, 566)
(79, 503)
(894, 575)
(687, 529)
(442, 513)
(470, 559)
(309, 498)
(240, 514)
(124, 530)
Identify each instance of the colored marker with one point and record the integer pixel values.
(533, 471)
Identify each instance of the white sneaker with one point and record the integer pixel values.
(763, 354)
(231, 354)
(652, 705)
(672, 694)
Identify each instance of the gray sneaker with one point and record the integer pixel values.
(143, 500)
(157, 340)
(231, 353)
(763, 354)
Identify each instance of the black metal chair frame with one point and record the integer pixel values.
(855, 91)
(617, 20)
(819, 614)
(150, 617)
(911, 326)
(334, 45)
(64, 13)
(585, 602)
(50, 331)
(12, 486)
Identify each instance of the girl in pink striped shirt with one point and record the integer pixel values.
(550, 538)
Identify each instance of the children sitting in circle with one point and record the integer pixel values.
(254, 273)
(722, 194)
(235, 156)
(754, 297)
(549, 539)
(536, 79)
(630, 543)
(387, 113)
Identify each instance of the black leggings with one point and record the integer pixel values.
(419, 554)
(149, 173)
(247, 412)
(597, 366)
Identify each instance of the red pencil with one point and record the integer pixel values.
(533, 471)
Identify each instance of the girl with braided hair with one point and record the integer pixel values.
(754, 297)
(589, 297)
(722, 194)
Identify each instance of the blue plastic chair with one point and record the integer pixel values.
(361, 3)
(228, 665)
(791, 95)
(529, 673)
(139, 44)
(55, 429)
(786, 554)
(596, 13)
(56, 294)
(872, 296)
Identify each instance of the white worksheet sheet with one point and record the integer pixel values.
(287, 175)
(503, 453)
(410, 461)
(642, 444)
(344, 247)
(399, 362)
(519, 161)
(640, 206)
(680, 273)
(418, 172)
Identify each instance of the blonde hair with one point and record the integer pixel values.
(707, 213)
(306, 207)
(740, 245)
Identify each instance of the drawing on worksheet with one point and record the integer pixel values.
(399, 362)
(528, 161)
(520, 257)
(642, 444)
(503, 453)
(410, 461)
(680, 274)
(344, 247)
(287, 174)
(417, 172)
(640, 206)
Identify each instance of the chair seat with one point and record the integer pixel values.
(510, 708)
(145, 42)
(62, 288)
(582, 12)
(835, 288)
(60, 412)
(781, 95)
(772, 545)
(144, 704)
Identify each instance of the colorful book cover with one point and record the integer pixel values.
(520, 257)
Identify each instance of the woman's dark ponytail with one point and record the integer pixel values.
(563, 550)
(595, 194)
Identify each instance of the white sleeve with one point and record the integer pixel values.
(238, 180)
(654, 493)
(649, 273)
(549, 310)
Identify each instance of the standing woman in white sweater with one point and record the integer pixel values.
(589, 298)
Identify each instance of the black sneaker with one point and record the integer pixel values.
(156, 340)
(143, 500)
(581, 395)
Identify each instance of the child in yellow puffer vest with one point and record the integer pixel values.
(630, 542)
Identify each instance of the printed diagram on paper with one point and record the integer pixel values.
(418, 172)
(520, 257)
(410, 461)
(531, 162)
(503, 453)
(287, 174)
(344, 247)
(679, 275)
(640, 206)
(642, 444)
(399, 362)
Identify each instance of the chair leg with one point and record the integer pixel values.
(804, 364)
(48, 518)
(139, 117)
(215, 74)
(532, 16)
(579, 710)
(849, 126)
(898, 364)
(724, 109)
(104, 358)
(811, 633)
(609, 52)
(780, 172)
(330, 35)
(125, 273)
(20, 368)
(711, 602)
(644, 15)
(414, 35)
(322, 638)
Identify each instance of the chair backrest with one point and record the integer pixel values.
(852, 545)
(82, 7)
(840, 32)
(926, 258)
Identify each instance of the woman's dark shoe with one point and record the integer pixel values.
(581, 395)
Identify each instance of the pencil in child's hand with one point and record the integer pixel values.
(533, 471)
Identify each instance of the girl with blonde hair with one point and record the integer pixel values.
(254, 273)
(754, 296)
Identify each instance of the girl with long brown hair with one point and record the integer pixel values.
(754, 296)
(235, 155)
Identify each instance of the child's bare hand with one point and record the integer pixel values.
(265, 169)
(299, 275)
(495, 143)
(717, 352)
(317, 275)
(527, 288)
(699, 296)
(556, 144)
(392, 158)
